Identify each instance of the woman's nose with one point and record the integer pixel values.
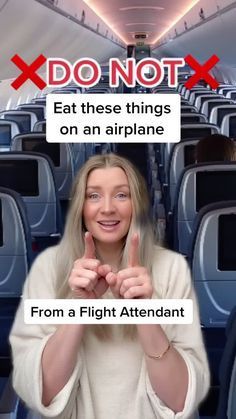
(107, 205)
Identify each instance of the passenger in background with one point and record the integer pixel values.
(215, 147)
(112, 371)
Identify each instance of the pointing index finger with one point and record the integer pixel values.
(89, 246)
(133, 259)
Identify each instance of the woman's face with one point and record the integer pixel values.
(107, 208)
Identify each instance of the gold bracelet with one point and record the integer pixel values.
(161, 355)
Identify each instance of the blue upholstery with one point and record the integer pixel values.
(60, 153)
(213, 261)
(15, 260)
(200, 185)
(39, 110)
(5, 139)
(180, 154)
(232, 392)
(15, 252)
(32, 175)
(9, 401)
(79, 155)
(19, 117)
(228, 372)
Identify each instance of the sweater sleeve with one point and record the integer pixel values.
(28, 342)
(187, 340)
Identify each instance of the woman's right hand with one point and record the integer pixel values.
(87, 278)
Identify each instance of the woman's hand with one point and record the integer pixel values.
(87, 278)
(134, 281)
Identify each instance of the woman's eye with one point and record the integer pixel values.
(94, 196)
(121, 195)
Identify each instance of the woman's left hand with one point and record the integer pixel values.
(135, 281)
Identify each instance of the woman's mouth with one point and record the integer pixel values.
(109, 225)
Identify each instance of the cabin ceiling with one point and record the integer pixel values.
(128, 18)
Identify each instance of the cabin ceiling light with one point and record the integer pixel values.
(99, 14)
(176, 20)
(140, 23)
(124, 9)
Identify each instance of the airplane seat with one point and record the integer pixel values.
(192, 118)
(39, 101)
(223, 86)
(213, 262)
(10, 406)
(202, 97)
(192, 93)
(90, 150)
(79, 155)
(231, 94)
(60, 154)
(228, 125)
(8, 129)
(40, 126)
(201, 100)
(188, 131)
(32, 175)
(188, 109)
(38, 110)
(15, 261)
(192, 96)
(184, 102)
(232, 391)
(210, 104)
(198, 130)
(182, 155)
(25, 120)
(227, 372)
(199, 185)
(226, 90)
(218, 112)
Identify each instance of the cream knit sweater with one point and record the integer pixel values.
(110, 380)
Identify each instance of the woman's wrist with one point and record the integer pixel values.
(153, 339)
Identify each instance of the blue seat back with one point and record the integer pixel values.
(60, 154)
(8, 129)
(200, 185)
(32, 175)
(182, 155)
(227, 400)
(213, 261)
(15, 243)
(15, 261)
(231, 410)
(39, 110)
(228, 126)
(25, 120)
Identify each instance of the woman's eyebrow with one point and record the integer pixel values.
(115, 187)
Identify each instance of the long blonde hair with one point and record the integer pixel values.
(72, 244)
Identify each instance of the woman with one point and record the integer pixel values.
(109, 371)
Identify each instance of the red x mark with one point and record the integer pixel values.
(201, 71)
(28, 72)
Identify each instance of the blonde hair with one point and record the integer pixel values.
(72, 244)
